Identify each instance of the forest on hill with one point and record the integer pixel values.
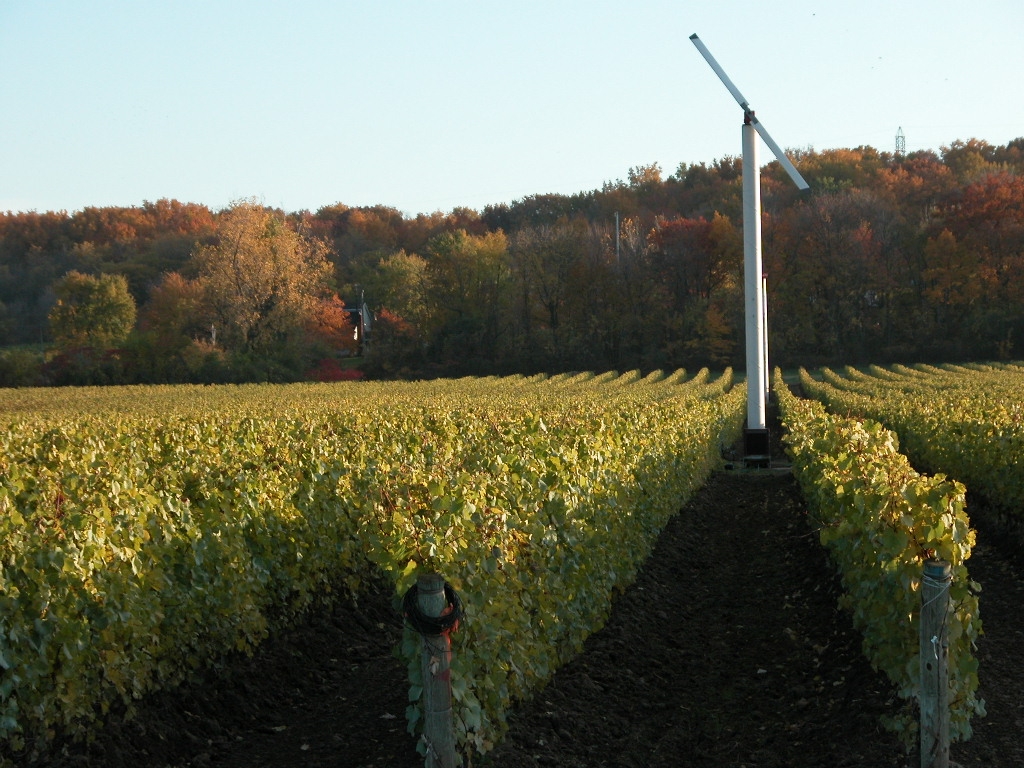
(888, 258)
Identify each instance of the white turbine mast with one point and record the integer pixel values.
(756, 443)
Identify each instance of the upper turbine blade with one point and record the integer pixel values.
(719, 71)
(794, 174)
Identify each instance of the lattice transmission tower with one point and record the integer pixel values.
(901, 143)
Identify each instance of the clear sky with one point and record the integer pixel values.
(426, 106)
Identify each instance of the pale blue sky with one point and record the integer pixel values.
(427, 106)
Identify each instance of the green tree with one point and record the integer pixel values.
(91, 311)
(468, 275)
(401, 283)
(970, 160)
(20, 368)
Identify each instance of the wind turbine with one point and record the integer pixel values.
(754, 300)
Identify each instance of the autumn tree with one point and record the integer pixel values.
(951, 290)
(173, 342)
(644, 176)
(175, 313)
(951, 278)
(985, 221)
(836, 169)
(838, 277)
(91, 311)
(545, 259)
(699, 265)
(605, 313)
(988, 218)
(915, 186)
(261, 279)
(703, 190)
(331, 327)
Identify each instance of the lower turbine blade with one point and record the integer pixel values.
(794, 174)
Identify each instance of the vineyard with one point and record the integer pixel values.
(148, 532)
(541, 500)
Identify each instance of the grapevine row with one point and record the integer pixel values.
(967, 422)
(880, 520)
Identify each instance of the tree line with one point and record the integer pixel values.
(889, 257)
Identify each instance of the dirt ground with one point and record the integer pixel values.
(727, 651)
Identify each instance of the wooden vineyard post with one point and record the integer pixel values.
(934, 665)
(432, 599)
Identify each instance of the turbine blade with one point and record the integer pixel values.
(794, 174)
(719, 71)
